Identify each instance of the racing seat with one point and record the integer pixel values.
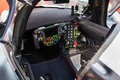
(55, 69)
(47, 75)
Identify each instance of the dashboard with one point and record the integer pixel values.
(54, 25)
(47, 16)
(51, 35)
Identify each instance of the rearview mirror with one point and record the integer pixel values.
(60, 1)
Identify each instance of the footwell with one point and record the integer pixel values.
(56, 69)
(47, 63)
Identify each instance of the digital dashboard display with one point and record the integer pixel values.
(51, 31)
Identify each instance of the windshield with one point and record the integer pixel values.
(80, 3)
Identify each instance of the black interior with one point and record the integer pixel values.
(55, 69)
(49, 63)
(53, 62)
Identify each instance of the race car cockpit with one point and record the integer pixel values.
(57, 40)
(48, 41)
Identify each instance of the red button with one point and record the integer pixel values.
(75, 23)
(75, 44)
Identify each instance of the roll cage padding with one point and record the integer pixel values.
(93, 30)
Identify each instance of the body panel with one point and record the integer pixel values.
(6, 71)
